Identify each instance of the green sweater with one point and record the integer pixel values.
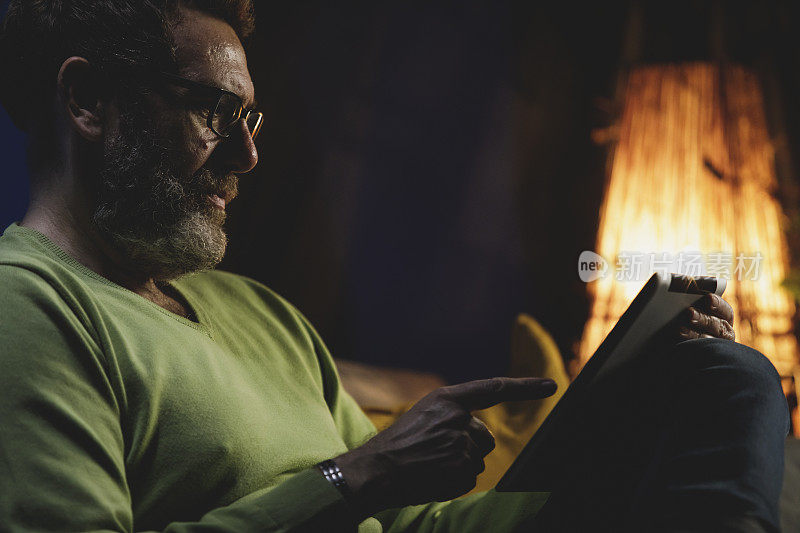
(118, 415)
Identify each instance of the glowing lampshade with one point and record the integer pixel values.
(693, 176)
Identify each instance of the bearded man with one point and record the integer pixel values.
(140, 389)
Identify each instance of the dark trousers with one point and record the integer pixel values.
(689, 438)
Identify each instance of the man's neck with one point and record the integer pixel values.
(76, 236)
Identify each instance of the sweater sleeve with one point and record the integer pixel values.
(62, 451)
(494, 511)
(354, 426)
(500, 512)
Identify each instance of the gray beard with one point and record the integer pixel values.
(162, 223)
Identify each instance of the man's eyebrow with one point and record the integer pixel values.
(213, 85)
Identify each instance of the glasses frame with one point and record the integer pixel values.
(217, 93)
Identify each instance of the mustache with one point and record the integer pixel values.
(211, 182)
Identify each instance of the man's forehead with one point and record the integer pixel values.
(208, 50)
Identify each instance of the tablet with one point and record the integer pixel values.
(541, 465)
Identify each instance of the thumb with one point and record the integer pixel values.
(483, 393)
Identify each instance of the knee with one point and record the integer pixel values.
(730, 369)
(727, 356)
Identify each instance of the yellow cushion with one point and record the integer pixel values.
(533, 353)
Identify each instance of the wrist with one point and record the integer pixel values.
(333, 474)
(362, 477)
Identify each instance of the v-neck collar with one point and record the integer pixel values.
(202, 323)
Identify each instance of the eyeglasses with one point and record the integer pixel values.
(226, 112)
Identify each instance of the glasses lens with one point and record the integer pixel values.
(226, 114)
(254, 121)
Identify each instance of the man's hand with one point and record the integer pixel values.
(711, 316)
(434, 451)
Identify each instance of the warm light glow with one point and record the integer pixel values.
(693, 171)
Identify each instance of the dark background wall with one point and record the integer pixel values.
(427, 170)
(13, 174)
(419, 179)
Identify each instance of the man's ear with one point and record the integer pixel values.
(80, 93)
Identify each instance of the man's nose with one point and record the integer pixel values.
(242, 153)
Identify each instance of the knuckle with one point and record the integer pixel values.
(495, 384)
(722, 329)
(488, 438)
(441, 393)
(477, 424)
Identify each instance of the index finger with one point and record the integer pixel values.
(484, 393)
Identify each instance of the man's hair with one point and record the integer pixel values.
(117, 37)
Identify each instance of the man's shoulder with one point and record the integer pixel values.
(19, 277)
(39, 304)
(28, 263)
(29, 274)
(20, 253)
(39, 294)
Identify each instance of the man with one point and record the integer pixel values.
(142, 390)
